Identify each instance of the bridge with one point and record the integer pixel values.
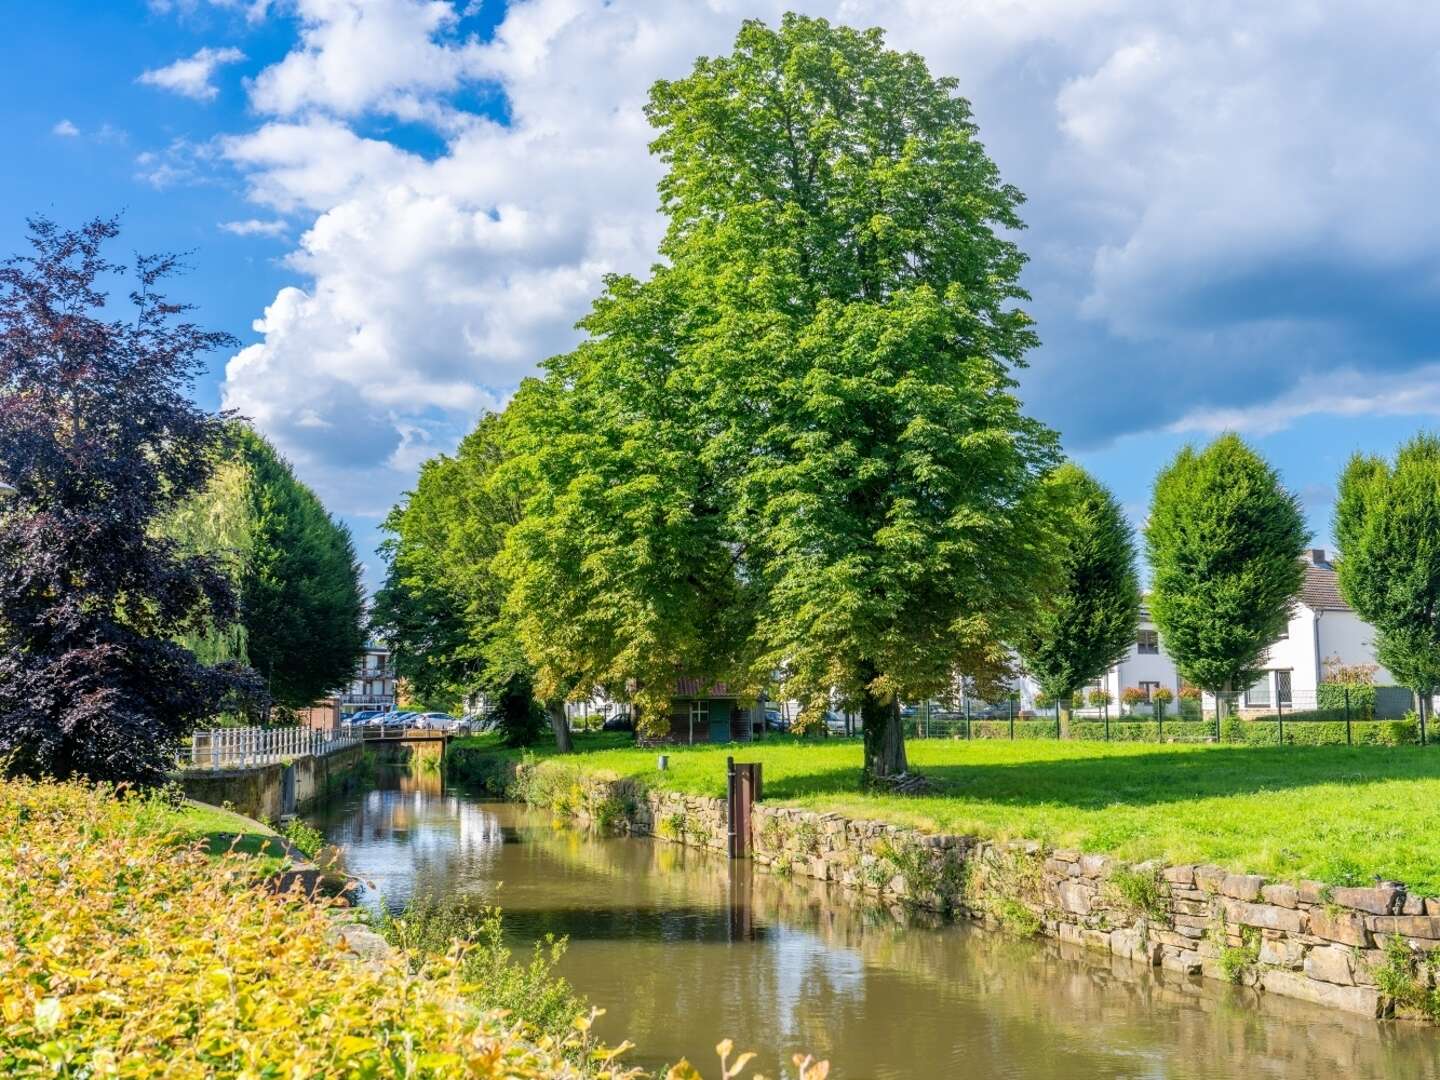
(398, 733)
(254, 747)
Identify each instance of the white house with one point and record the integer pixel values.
(1322, 627)
(373, 687)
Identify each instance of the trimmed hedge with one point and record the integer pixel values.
(1332, 695)
(1306, 731)
(1024, 729)
(1144, 730)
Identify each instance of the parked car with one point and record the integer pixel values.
(619, 722)
(358, 719)
(775, 720)
(437, 721)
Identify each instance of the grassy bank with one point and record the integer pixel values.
(1335, 814)
(126, 949)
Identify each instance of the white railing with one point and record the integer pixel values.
(243, 748)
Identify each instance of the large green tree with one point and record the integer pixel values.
(1088, 622)
(1224, 540)
(301, 596)
(846, 237)
(441, 604)
(1387, 525)
(301, 620)
(796, 446)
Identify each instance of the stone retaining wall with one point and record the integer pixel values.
(1330, 946)
(258, 792)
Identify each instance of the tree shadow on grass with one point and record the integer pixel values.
(265, 845)
(1140, 779)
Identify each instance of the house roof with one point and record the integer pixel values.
(1321, 591)
(687, 687)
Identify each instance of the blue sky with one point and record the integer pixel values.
(401, 206)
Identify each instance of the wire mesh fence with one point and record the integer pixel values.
(1331, 715)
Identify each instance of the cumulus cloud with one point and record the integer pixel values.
(191, 76)
(1229, 204)
(358, 55)
(65, 129)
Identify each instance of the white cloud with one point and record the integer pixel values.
(191, 76)
(65, 129)
(356, 55)
(255, 227)
(1211, 185)
(1345, 393)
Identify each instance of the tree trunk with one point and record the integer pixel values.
(559, 724)
(884, 738)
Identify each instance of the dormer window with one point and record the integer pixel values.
(1147, 641)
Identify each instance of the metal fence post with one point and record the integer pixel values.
(1012, 718)
(967, 717)
(1349, 737)
(1057, 718)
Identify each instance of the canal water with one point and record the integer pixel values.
(683, 948)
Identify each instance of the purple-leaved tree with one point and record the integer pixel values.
(99, 439)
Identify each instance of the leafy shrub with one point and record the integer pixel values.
(1132, 696)
(1024, 729)
(304, 838)
(429, 929)
(1144, 730)
(1098, 697)
(1333, 695)
(120, 950)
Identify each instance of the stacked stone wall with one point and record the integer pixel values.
(1328, 945)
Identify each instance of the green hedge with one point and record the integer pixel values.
(1144, 730)
(1331, 695)
(1326, 732)
(1024, 729)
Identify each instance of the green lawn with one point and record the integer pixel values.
(1336, 814)
(220, 831)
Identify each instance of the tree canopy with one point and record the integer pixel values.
(100, 440)
(1387, 526)
(1224, 540)
(1088, 622)
(795, 446)
(441, 605)
(301, 619)
(301, 598)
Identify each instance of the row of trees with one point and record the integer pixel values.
(141, 530)
(795, 446)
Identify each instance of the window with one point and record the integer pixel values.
(1258, 696)
(1282, 687)
(1149, 688)
(1147, 641)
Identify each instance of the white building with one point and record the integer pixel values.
(1322, 627)
(373, 687)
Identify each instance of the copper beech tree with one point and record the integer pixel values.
(99, 439)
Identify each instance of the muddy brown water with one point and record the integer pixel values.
(683, 948)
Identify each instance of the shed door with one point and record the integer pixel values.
(719, 721)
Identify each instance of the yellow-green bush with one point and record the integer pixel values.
(123, 955)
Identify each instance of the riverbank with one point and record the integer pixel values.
(1338, 815)
(124, 942)
(1361, 948)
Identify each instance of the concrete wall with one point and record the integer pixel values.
(1307, 940)
(259, 792)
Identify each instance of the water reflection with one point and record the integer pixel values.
(683, 948)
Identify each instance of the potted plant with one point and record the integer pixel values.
(1161, 698)
(1132, 697)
